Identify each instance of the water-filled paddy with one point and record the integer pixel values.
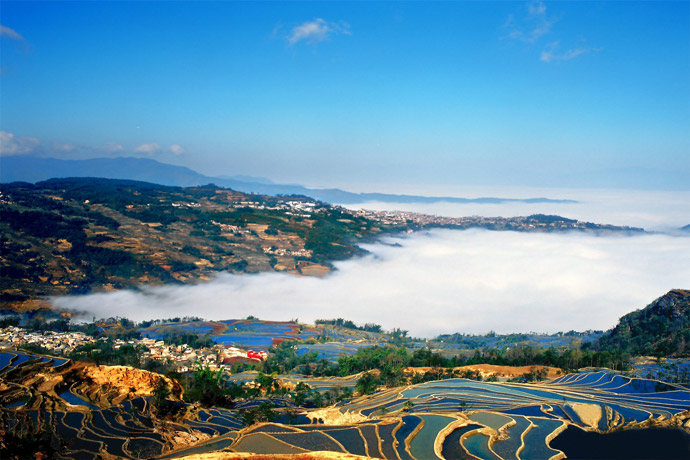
(535, 439)
(271, 428)
(113, 445)
(260, 443)
(64, 430)
(651, 443)
(76, 400)
(15, 405)
(422, 445)
(387, 440)
(59, 362)
(478, 445)
(350, 438)
(495, 421)
(409, 423)
(451, 448)
(309, 441)
(242, 333)
(143, 447)
(5, 359)
(371, 436)
(508, 448)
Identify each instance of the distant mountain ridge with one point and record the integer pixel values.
(21, 168)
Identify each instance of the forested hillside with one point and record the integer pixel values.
(68, 236)
(662, 328)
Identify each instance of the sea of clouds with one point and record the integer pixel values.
(473, 281)
(440, 281)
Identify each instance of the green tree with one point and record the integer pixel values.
(367, 383)
(208, 387)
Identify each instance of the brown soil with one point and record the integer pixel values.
(590, 414)
(314, 270)
(128, 381)
(333, 416)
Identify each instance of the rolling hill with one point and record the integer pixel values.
(69, 236)
(662, 328)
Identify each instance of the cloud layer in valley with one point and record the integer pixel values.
(441, 281)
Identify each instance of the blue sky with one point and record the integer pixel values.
(499, 93)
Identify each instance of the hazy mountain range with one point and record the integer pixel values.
(34, 169)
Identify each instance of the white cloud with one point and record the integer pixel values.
(17, 145)
(536, 8)
(19, 41)
(316, 31)
(81, 151)
(152, 148)
(10, 33)
(176, 149)
(148, 149)
(62, 147)
(532, 26)
(442, 281)
(551, 53)
(112, 147)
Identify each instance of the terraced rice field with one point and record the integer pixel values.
(515, 421)
(331, 351)
(244, 333)
(122, 431)
(261, 335)
(12, 360)
(448, 419)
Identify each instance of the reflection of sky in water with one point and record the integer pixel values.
(76, 400)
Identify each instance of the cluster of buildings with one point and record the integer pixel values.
(288, 252)
(498, 223)
(184, 356)
(57, 342)
(230, 228)
(186, 205)
(405, 217)
(291, 207)
(387, 217)
(4, 199)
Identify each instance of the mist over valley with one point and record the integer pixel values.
(439, 281)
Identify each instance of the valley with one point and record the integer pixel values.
(82, 235)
